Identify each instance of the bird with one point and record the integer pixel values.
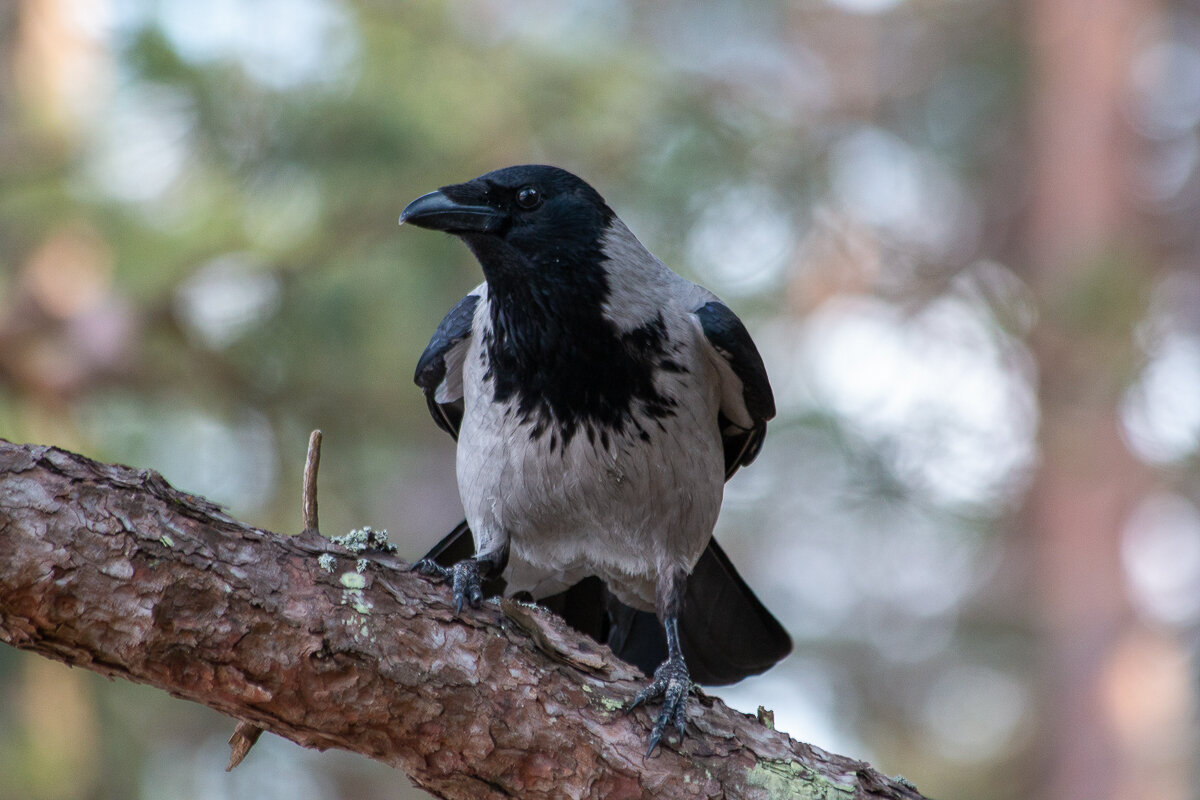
(599, 401)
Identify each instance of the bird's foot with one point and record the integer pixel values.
(672, 681)
(463, 577)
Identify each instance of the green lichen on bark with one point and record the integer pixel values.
(790, 780)
(609, 704)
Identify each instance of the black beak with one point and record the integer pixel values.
(438, 212)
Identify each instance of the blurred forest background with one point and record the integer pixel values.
(965, 233)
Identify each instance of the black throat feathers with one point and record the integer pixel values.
(552, 352)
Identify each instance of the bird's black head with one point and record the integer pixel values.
(531, 218)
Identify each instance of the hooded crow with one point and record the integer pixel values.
(600, 401)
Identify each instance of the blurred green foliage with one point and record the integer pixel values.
(199, 263)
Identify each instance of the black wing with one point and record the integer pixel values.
(439, 370)
(746, 399)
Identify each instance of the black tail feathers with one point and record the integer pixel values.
(726, 632)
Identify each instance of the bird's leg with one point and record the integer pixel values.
(466, 577)
(671, 680)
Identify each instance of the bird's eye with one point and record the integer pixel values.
(528, 197)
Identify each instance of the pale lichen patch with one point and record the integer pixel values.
(353, 580)
(353, 595)
(609, 704)
(360, 540)
(791, 780)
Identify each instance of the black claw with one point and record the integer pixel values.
(466, 584)
(655, 735)
(463, 577)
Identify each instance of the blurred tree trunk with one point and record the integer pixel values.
(1091, 279)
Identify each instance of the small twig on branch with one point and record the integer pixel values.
(241, 740)
(246, 734)
(111, 569)
(311, 464)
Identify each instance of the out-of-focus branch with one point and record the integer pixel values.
(111, 569)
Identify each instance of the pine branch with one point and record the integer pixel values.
(111, 569)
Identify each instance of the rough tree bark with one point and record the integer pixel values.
(111, 569)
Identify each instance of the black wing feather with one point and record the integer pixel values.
(454, 329)
(729, 337)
